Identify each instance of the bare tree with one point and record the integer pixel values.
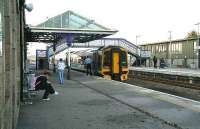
(191, 34)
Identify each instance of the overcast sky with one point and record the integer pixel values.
(151, 19)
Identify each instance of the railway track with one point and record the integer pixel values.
(180, 81)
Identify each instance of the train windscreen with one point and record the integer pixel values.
(107, 59)
(123, 58)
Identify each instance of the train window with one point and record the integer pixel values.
(99, 61)
(123, 59)
(107, 59)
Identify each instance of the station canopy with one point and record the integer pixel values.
(65, 26)
(83, 53)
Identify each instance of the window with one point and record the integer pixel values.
(123, 59)
(164, 48)
(176, 48)
(107, 59)
(195, 46)
(157, 48)
(149, 48)
(152, 49)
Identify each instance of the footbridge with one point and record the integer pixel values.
(130, 47)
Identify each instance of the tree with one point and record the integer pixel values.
(191, 34)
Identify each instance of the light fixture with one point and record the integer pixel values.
(28, 7)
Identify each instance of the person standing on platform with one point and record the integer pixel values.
(155, 62)
(61, 69)
(88, 63)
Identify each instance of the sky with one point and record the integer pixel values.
(151, 20)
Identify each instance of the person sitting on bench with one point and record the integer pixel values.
(42, 83)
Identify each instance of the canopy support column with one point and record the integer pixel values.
(54, 57)
(69, 64)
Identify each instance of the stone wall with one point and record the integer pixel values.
(11, 62)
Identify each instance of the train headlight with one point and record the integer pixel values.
(106, 73)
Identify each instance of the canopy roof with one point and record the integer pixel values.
(56, 29)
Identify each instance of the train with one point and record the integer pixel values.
(110, 62)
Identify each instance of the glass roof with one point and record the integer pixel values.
(58, 28)
(71, 20)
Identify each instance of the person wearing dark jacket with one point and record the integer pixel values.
(88, 63)
(155, 62)
(42, 83)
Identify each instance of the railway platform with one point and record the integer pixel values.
(188, 78)
(89, 102)
(170, 71)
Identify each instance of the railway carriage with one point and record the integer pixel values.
(111, 63)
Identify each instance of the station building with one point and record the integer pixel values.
(182, 53)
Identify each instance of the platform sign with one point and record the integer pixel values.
(41, 53)
(145, 53)
(69, 39)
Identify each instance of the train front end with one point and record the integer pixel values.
(115, 64)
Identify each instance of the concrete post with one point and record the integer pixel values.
(54, 57)
(69, 64)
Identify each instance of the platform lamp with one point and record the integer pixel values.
(28, 7)
(198, 43)
(137, 36)
(136, 41)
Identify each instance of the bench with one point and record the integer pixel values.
(29, 87)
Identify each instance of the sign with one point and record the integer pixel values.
(145, 53)
(41, 53)
(69, 39)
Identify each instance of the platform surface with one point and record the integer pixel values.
(88, 102)
(170, 71)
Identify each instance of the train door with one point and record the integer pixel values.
(41, 63)
(41, 60)
(115, 62)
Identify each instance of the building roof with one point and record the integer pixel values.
(173, 41)
(58, 28)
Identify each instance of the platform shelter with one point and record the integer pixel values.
(68, 27)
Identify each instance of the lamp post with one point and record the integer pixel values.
(197, 44)
(136, 40)
(69, 40)
(170, 48)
